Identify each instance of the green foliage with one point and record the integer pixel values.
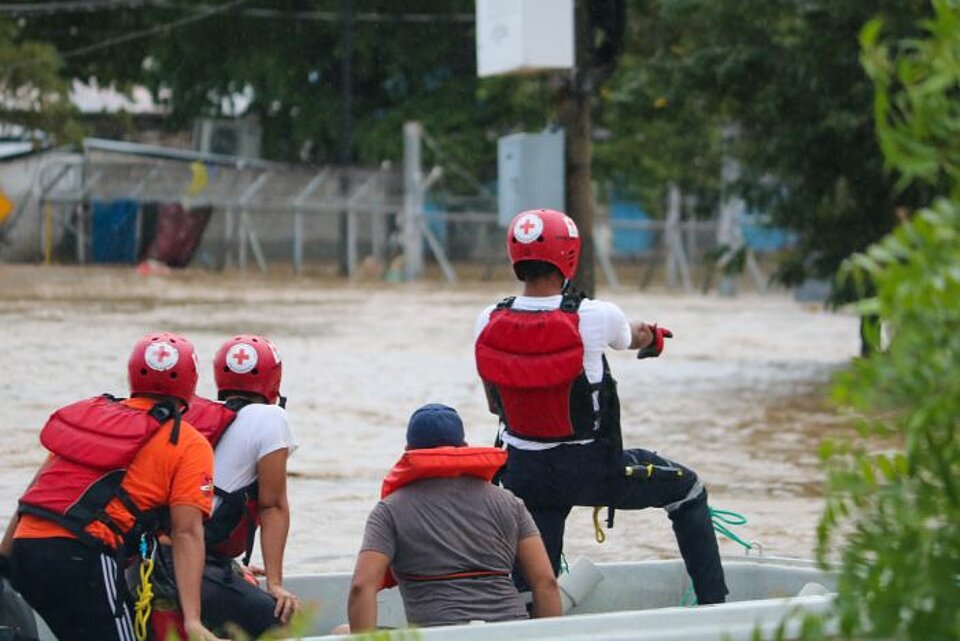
(898, 509)
(655, 130)
(919, 125)
(33, 94)
(783, 77)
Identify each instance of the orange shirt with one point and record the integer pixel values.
(160, 474)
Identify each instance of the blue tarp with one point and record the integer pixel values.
(627, 242)
(114, 235)
(762, 238)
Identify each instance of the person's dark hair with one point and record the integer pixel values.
(535, 270)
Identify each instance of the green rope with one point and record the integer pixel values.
(721, 520)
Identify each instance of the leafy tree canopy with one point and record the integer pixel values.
(784, 77)
(33, 92)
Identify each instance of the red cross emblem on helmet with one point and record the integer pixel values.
(161, 356)
(248, 364)
(241, 358)
(546, 235)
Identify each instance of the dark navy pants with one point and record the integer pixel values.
(550, 482)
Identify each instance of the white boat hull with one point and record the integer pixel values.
(613, 601)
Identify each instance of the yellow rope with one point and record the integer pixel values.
(144, 600)
(597, 529)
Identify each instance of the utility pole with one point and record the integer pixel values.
(573, 114)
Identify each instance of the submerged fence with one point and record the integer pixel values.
(115, 203)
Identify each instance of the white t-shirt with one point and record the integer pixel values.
(602, 325)
(258, 430)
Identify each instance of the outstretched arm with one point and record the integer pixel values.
(274, 526)
(538, 573)
(362, 602)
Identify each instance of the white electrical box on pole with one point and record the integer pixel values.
(523, 36)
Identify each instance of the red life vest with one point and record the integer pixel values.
(93, 441)
(231, 529)
(210, 418)
(441, 462)
(532, 361)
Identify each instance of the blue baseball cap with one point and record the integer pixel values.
(434, 425)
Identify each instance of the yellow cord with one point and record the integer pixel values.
(144, 600)
(597, 529)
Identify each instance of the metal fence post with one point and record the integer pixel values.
(412, 201)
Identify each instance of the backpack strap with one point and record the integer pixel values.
(162, 412)
(570, 299)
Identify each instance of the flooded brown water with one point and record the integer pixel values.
(737, 395)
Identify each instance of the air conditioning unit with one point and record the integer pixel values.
(227, 137)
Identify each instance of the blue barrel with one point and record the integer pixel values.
(114, 233)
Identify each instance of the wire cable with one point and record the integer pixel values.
(335, 16)
(136, 35)
(70, 6)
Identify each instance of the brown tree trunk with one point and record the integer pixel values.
(573, 114)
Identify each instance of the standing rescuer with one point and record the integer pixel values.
(541, 358)
(119, 471)
(253, 440)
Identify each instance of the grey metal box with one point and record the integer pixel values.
(530, 173)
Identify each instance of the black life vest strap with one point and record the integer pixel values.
(217, 530)
(127, 501)
(570, 300)
(162, 412)
(69, 524)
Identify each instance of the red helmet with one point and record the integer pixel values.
(163, 363)
(248, 363)
(547, 235)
